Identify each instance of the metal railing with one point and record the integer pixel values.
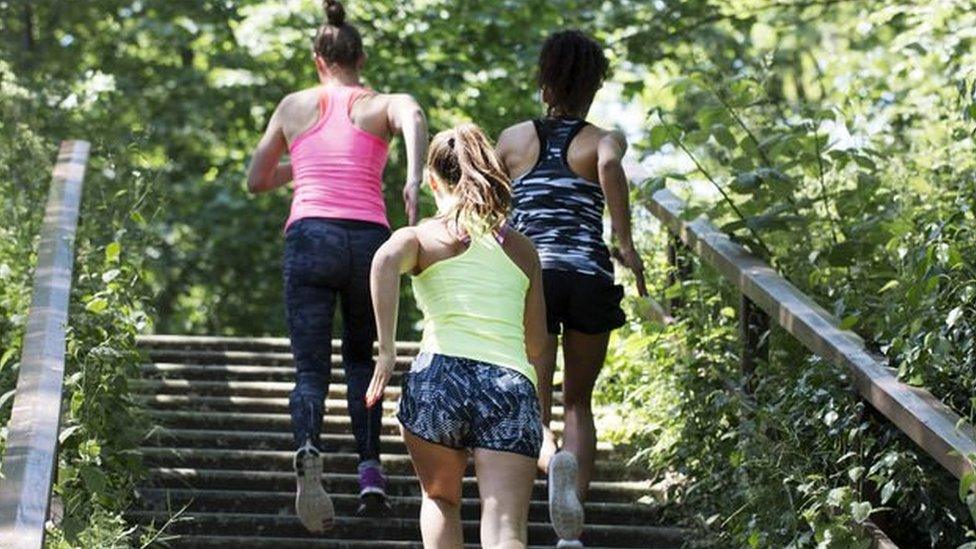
(766, 296)
(32, 439)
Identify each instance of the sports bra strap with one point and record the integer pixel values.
(499, 235)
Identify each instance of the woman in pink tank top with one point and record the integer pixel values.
(337, 137)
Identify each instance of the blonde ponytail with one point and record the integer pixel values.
(464, 158)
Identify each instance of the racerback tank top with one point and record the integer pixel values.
(474, 306)
(561, 212)
(338, 167)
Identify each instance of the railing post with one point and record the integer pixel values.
(32, 442)
(680, 269)
(754, 336)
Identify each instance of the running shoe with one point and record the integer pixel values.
(565, 509)
(312, 504)
(372, 489)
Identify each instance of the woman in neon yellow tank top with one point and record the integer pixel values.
(472, 388)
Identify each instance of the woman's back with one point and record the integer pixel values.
(555, 204)
(473, 298)
(338, 166)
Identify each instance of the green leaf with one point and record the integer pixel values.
(891, 284)
(722, 134)
(861, 510)
(849, 321)
(94, 479)
(660, 135)
(112, 252)
(887, 491)
(966, 485)
(953, 316)
(4, 398)
(66, 434)
(97, 305)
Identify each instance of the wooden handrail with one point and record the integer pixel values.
(32, 441)
(934, 427)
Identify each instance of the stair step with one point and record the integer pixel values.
(259, 542)
(243, 358)
(222, 452)
(393, 529)
(272, 460)
(233, 421)
(265, 389)
(283, 503)
(244, 372)
(236, 388)
(275, 440)
(273, 344)
(342, 483)
(245, 404)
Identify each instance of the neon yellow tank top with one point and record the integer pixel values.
(474, 306)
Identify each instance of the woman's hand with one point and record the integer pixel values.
(411, 192)
(632, 260)
(385, 364)
(396, 256)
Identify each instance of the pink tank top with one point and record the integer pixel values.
(337, 167)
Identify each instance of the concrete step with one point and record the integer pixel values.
(223, 449)
(264, 389)
(243, 358)
(280, 441)
(267, 389)
(255, 404)
(261, 542)
(274, 460)
(283, 503)
(332, 422)
(394, 529)
(255, 344)
(617, 491)
(245, 372)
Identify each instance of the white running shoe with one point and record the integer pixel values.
(565, 509)
(312, 504)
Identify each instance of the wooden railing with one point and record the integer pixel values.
(32, 433)
(766, 296)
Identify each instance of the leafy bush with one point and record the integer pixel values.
(97, 462)
(836, 142)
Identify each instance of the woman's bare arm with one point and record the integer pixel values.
(265, 172)
(406, 116)
(613, 180)
(394, 258)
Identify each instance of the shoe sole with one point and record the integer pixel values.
(312, 504)
(373, 504)
(565, 509)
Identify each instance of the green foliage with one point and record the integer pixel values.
(97, 462)
(836, 140)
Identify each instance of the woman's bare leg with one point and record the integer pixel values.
(440, 470)
(548, 368)
(583, 355)
(505, 484)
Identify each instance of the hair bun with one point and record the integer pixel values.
(335, 14)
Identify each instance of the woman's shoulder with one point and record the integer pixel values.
(523, 129)
(521, 250)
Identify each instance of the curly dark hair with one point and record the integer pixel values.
(338, 42)
(572, 67)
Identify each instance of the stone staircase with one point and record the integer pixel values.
(222, 453)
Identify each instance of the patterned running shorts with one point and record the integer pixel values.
(462, 403)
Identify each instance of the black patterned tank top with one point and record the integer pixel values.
(561, 212)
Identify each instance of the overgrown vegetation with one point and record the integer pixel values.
(836, 140)
(841, 132)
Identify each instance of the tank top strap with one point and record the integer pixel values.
(555, 136)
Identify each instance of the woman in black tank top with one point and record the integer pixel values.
(565, 172)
